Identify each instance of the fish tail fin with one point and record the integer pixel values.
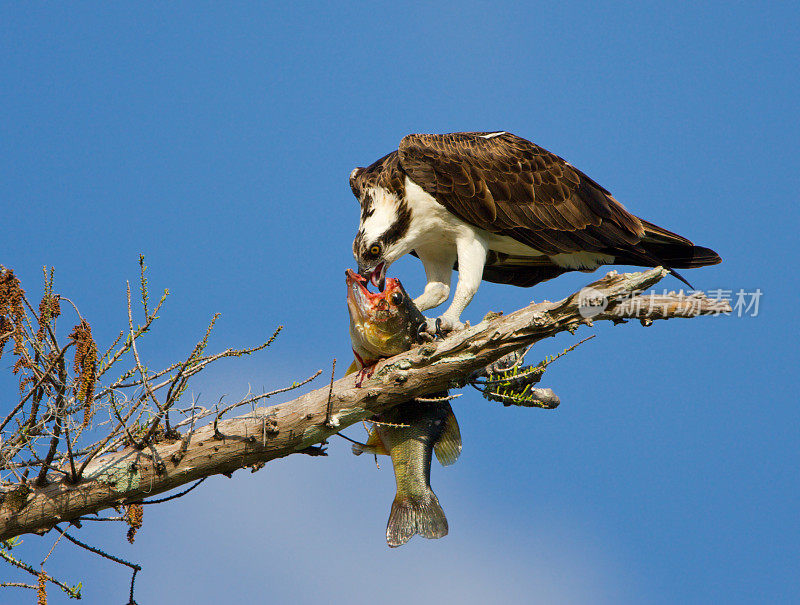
(411, 515)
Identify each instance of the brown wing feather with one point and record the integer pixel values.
(510, 186)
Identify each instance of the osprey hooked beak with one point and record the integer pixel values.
(376, 275)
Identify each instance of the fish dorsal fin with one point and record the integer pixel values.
(448, 447)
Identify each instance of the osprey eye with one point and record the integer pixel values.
(375, 250)
(396, 298)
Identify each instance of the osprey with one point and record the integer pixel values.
(500, 208)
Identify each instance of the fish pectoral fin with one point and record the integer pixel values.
(374, 445)
(448, 447)
(360, 448)
(411, 515)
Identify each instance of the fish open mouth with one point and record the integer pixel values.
(355, 279)
(357, 289)
(359, 295)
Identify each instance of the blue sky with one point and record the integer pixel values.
(217, 140)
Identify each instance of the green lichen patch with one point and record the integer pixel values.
(123, 475)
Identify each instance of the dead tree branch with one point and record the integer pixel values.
(273, 432)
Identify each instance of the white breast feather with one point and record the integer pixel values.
(430, 218)
(434, 216)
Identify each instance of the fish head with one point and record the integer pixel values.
(384, 323)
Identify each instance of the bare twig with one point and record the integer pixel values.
(254, 398)
(60, 403)
(139, 367)
(75, 593)
(328, 409)
(437, 399)
(74, 476)
(141, 330)
(136, 568)
(45, 376)
(174, 496)
(97, 551)
(74, 306)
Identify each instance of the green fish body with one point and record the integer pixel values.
(429, 428)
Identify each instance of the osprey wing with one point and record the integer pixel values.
(507, 185)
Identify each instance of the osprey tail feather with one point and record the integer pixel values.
(661, 247)
(677, 256)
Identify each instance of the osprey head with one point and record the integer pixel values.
(381, 237)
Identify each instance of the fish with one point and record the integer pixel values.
(410, 433)
(383, 324)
